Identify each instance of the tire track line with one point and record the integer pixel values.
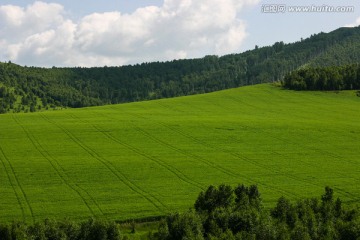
(344, 193)
(110, 167)
(236, 156)
(173, 170)
(324, 152)
(168, 167)
(56, 166)
(12, 184)
(148, 157)
(222, 169)
(214, 165)
(19, 185)
(176, 172)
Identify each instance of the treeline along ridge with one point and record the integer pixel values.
(24, 89)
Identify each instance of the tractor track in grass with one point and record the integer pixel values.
(171, 169)
(119, 175)
(155, 139)
(19, 185)
(251, 161)
(198, 141)
(211, 164)
(353, 197)
(219, 167)
(286, 141)
(168, 167)
(60, 171)
(11, 183)
(299, 114)
(344, 193)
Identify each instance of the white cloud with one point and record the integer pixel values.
(42, 34)
(17, 22)
(231, 41)
(355, 24)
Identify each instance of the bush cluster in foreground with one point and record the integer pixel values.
(331, 78)
(228, 213)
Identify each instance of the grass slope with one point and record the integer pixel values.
(149, 158)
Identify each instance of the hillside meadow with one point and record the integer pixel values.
(150, 158)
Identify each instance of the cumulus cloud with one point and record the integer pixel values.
(17, 22)
(42, 33)
(355, 24)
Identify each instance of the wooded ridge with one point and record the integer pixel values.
(24, 89)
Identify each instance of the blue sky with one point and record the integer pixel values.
(118, 32)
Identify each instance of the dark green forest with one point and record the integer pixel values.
(333, 78)
(219, 213)
(29, 89)
(228, 213)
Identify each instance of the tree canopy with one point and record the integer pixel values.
(224, 212)
(333, 78)
(25, 89)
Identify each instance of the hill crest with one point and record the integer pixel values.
(24, 89)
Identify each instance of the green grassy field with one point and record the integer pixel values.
(150, 158)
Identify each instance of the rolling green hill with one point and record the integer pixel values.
(24, 89)
(150, 158)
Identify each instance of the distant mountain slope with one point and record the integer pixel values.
(32, 88)
(343, 52)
